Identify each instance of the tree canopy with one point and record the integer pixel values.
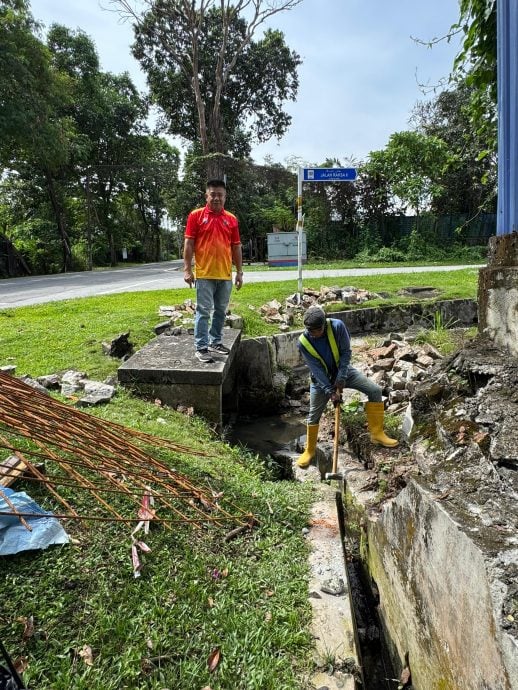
(217, 85)
(84, 178)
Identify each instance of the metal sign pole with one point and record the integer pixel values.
(315, 175)
(299, 232)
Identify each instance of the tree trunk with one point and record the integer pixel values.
(14, 258)
(60, 221)
(157, 248)
(113, 252)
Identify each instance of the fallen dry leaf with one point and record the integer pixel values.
(224, 572)
(149, 643)
(28, 628)
(86, 655)
(21, 664)
(210, 602)
(213, 660)
(146, 514)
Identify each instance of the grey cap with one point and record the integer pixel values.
(314, 317)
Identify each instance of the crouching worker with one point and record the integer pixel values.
(325, 346)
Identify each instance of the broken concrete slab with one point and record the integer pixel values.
(8, 368)
(119, 347)
(96, 393)
(167, 369)
(33, 383)
(50, 381)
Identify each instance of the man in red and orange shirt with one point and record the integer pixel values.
(212, 238)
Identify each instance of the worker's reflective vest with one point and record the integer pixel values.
(332, 342)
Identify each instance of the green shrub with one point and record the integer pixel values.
(466, 254)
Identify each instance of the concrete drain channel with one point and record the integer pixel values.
(376, 667)
(350, 651)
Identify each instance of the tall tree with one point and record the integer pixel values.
(412, 164)
(33, 129)
(476, 63)
(28, 88)
(469, 182)
(153, 185)
(216, 85)
(477, 59)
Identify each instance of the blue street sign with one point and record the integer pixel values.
(329, 174)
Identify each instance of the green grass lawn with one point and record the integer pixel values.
(327, 264)
(62, 335)
(158, 631)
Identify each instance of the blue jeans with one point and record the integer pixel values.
(355, 379)
(212, 296)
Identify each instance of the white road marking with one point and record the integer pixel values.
(132, 285)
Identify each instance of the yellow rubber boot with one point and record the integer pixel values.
(375, 416)
(311, 446)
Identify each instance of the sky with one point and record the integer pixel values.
(361, 76)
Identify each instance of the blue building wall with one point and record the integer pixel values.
(507, 67)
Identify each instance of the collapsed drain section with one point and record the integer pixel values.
(376, 667)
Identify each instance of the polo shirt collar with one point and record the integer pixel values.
(214, 213)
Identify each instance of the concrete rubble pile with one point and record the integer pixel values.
(180, 319)
(71, 384)
(285, 315)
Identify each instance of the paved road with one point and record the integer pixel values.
(19, 292)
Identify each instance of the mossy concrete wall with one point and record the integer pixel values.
(498, 293)
(440, 595)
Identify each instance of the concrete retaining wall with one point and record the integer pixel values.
(439, 600)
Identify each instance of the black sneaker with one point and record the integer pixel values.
(220, 349)
(203, 356)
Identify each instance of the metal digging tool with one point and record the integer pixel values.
(9, 677)
(335, 474)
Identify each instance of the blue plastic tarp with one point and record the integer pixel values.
(14, 537)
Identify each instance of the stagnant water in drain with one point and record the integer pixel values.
(269, 436)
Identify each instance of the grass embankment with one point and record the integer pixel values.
(245, 597)
(197, 592)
